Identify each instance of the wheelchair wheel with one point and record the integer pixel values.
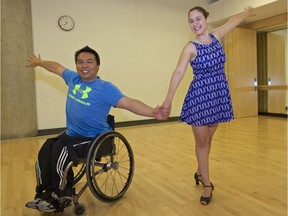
(79, 172)
(109, 172)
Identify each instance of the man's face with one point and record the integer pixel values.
(87, 67)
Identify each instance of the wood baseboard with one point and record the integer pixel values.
(52, 131)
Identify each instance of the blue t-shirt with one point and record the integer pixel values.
(88, 105)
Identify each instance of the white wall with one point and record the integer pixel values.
(139, 43)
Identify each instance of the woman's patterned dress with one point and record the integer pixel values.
(208, 100)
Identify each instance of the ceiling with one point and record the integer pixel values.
(272, 9)
(221, 10)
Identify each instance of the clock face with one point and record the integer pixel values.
(66, 23)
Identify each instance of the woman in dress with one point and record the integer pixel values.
(208, 101)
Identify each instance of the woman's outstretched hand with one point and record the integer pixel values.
(249, 10)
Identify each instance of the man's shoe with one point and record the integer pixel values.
(34, 203)
(45, 206)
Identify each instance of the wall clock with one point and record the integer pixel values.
(66, 23)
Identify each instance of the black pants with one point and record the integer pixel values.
(54, 156)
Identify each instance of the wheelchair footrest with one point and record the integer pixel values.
(67, 192)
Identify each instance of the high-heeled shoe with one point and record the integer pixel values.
(206, 200)
(197, 180)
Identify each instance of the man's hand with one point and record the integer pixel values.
(53, 67)
(33, 61)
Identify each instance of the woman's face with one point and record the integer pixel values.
(197, 21)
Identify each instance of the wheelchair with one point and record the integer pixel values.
(109, 169)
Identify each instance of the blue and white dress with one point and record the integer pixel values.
(208, 100)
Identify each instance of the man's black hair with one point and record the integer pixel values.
(89, 50)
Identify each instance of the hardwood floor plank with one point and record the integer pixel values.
(248, 166)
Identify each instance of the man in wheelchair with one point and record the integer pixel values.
(89, 100)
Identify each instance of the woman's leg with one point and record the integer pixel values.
(203, 138)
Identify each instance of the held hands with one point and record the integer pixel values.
(167, 108)
(159, 113)
(162, 112)
(33, 61)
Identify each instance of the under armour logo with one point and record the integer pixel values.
(83, 92)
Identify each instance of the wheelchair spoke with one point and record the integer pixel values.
(123, 156)
(121, 176)
(126, 168)
(114, 185)
(105, 185)
(113, 181)
(119, 147)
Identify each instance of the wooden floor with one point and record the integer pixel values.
(248, 168)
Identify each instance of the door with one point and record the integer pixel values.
(276, 71)
(241, 70)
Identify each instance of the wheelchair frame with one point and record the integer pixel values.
(109, 169)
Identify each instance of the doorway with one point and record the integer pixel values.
(272, 72)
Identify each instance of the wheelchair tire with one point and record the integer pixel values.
(109, 176)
